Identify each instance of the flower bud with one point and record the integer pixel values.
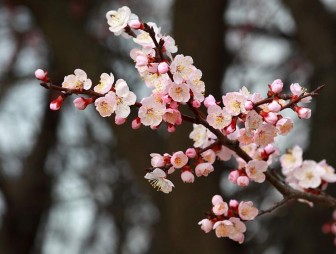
(191, 153)
(57, 103)
(233, 203)
(276, 86)
(274, 107)
(271, 118)
(171, 128)
(269, 149)
(196, 104)
(141, 60)
(163, 68)
(119, 120)
(206, 225)
(209, 101)
(40, 74)
(233, 176)
(81, 103)
(136, 123)
(243, 181)
(248, 105)
(135, 24)
(303, 113)
(216, 199)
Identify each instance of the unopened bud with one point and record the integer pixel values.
(274, 107)
(276, 86)
(248, 105)
(136, 123)
(57, 103)
(163, 68)
(191, 153)
(243, 181)
(119, 120)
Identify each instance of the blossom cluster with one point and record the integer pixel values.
(228, 219)
(241, 125)
(305, 174)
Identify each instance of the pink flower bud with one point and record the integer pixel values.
(57, 103)
(271, 118)
(191, 153)
(141, 60)
(216, 199)
(135, 24)
(171, 128)
(119, 120)
(209, 101)
(187, 177)
(40, 74)
(233, 176)
(163, 68)
(303, 113)
(174, 105)
(276, 86)
(233, 203)
(269, 149)
(166, 99)
(196, 104)
(81, 103)
(248, 105)
(136, 123)
(274, 107)
(243, 181)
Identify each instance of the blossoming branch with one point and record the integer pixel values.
(242, 125)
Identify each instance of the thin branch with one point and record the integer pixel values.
(276, 205)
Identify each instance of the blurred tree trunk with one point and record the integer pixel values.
(316, 37)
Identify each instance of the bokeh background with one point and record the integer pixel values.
(72, 182)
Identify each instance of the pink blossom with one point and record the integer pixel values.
(209, 156)
(117, 20)
(57, 103)
(291, 160)
(246, 210)
(224, 153)
(269, 149)
(157, 160)
(151, 112)
(276, 86)
(187, 176)
(172, 116)
(77, 81)
(220, 208)
(203, 169)
(255, 170)
(265, 135)
(218, 117)
(234, 103)
(206, 225)
(179, 93)
(181, 68)
(158, 180)
(329, 172)
(223, 228)
(253, 121)
(191, 153)
(243, 181)
(105, 83)
(284, 126)
(216, 199)
(309, 174)
(106, 105)
(238, 229)
(179, 159)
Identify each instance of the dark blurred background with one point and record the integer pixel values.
(72, 182)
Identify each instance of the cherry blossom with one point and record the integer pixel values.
(247, 211)
(105, 83)
(218, 117)
(158, 180)
(255, 170)
(77, 81)
(234, 103)
(179, 159)
(117, 20)
(106, 105)
(151, 112)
